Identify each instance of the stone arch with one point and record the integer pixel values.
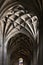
(22, 47)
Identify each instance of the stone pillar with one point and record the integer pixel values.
(0, 44)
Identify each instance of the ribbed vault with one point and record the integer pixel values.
(17, 18)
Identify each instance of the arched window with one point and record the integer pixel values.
(20, 61)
